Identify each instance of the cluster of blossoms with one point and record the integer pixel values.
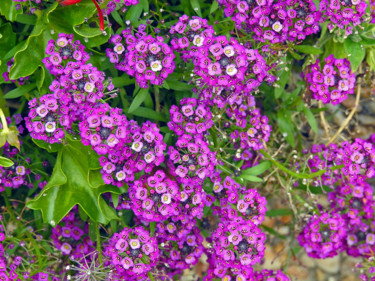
(192, 157)
(270, 275)
(333, 83)
(248, 129)
(367, 268)
(113, 4)
(132, 253)
(155, 197)
(276, 21)
(238, 243)
(189, 34)
(182, 244)
(356, 203)
(147, 58)
(190, 118)
(128, 147)
(7, 272)
(323, 235)
(16, 175)
(69, 237)
(351, 162)
(62, 51)
(226, 63)
(343, 14)
(77, 88)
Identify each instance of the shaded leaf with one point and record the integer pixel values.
(20, 91)
(5, 162)
(258, 169)
(139, 98)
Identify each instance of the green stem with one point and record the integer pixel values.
(19, 224)
(294, 174)
(149, 274)
(98, 244)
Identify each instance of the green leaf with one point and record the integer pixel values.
(214, 7)
(92, 231)
(30, 56)
(284, 78)
(149, 114)
(8, 9)
(139, 98)
(258, 169)
(278, 212)
(311, 119)
(307, 49)
(69, 185)
(285, 126)
(20, 91)
(115, 199)
(26, 19)
(196, 7)
(152, 228)
(251, 178)
(370, 58)
(5, 162)
(356, 53)
(54, 147)
(145, 5)
(178, 85)
(134, 13)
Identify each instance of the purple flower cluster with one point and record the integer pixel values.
(16, 175)
(181, 244)
(127, 147)
(190, 118)
(220, 62)
(238, 243)
(62, 51)
(147, 58)
(192, 157)
(77, 87)
(333, 83)
(155, 197)
(356, 203)
(189, 34)
(323, 235)
(276, 21)
(69, 237)
(7, 271)
(348, 162)
(343, 14)
(132, 253)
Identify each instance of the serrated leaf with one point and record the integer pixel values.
(5, 162)
(8, 9)
(139, 98)
(70, 185)
(307, 49)
(258, 169)
(311, 119)
(20, 91)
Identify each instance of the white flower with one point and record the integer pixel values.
(50, 127)
(277, 26)
(156, 66)
(229, 51)
(198, 40)
(89, 87)
(119, 48)
(231, 70)
(166, 198)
